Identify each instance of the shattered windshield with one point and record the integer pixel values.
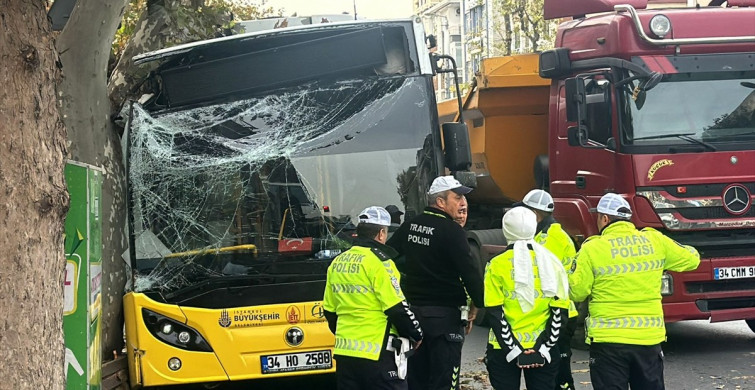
(225, 190)
(702, 107)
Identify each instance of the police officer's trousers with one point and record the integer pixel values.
(617, 366)
(437, 362)
(506, 375)
(564, 379)
(363, 374)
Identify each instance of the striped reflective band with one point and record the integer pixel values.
(350, 289)
(513, 295)
(356, 345)
(627, 268)
(435, 214)
(527, 336)
(625, 322)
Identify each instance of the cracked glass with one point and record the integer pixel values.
(265, 189)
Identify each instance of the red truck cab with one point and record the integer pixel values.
(659, 106)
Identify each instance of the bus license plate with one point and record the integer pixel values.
(734, 272)
(303, 361)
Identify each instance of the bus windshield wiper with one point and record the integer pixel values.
(683, 136)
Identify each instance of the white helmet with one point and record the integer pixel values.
(539, 200)
(519, 223)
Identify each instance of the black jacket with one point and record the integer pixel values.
(438, 264)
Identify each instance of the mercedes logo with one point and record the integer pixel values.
(294, 336)
(736, 199)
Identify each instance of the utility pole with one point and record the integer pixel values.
(355, 9)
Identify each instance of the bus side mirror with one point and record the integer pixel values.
(458, 155)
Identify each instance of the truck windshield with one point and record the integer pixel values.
(268, 187)
(688, 108)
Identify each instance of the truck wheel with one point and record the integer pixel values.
(477, 256)
(751, 324)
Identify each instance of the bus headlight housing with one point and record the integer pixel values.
(660, 25)
(174, 333)
(667, 284)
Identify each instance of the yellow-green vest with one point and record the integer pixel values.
(556, 240)
(620, 270)
(499, 291)
(359, 288)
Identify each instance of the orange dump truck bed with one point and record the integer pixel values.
(507, 116)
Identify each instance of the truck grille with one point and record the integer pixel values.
(720, 286)
(712, 213)
(724, 304)
(703, 206)
(718, 243)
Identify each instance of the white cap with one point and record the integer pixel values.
(375, 215)
(614, 204)
(445, 183)
(539, 200)
(519, 223)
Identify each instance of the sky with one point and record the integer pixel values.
(367, 9)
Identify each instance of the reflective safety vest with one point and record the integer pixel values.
(359, 288)
(620, 270)
(556, 240)
(500, 291)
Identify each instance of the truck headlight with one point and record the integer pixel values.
(660, 25)
(667, 284)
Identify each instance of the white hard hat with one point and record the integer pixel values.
(614, 204)
(375, 215)
(519, 223)
(539, 200)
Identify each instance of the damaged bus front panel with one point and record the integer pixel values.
(247, 167)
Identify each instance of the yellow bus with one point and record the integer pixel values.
(246, 166)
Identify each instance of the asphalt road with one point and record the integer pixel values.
(699, 355)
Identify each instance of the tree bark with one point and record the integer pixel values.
(35, 201)
(84, 47)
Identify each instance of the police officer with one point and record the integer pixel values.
(367, 312)
(527, 301)
(551, 235)
(620, 271)
(438, 267)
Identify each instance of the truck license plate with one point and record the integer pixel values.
(734, 272)
(303, 361)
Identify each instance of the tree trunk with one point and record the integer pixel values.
(84, 47)
(157, 28)
(509, 40)
(35, 201)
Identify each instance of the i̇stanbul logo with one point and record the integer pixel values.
(225, 319)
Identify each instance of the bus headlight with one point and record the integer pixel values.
(184, 337)
(167, 328)
(174, 333)
(660, 25)
(667, 284)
